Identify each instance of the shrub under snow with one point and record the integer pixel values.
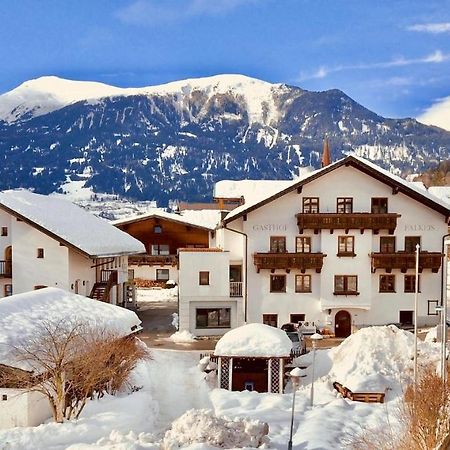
(182, 337)
(202, 426)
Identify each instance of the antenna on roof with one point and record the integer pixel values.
(326, 155)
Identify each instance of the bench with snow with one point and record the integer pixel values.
(366, 397)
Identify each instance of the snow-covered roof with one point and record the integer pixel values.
(203, 218)
(254, 340)
(408, 188)
(22, 314)
(251, 190)
(441, 192)
(69, 224)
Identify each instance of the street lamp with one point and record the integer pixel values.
(295, 375)
(416, 305)
(314, 338)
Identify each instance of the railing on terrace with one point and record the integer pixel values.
(287, 261)
(406, 260)
(350, 221)
(6, 269)
(235, 288)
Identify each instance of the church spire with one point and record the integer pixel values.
(326, 155)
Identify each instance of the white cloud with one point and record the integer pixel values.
(144, 12)
(436, 57)
(434, 28)
(437, 114)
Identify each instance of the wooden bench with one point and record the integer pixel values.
(366, 397)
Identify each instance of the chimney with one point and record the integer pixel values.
(326, 155)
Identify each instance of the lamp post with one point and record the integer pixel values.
(295, 375)
(416, 303)
(314, 338)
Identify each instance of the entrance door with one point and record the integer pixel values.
(342, 324)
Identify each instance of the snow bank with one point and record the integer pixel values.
(255, 339)
(71, 224)
(153, 295)
(431, 336)
(375, 358)
(182, 337)
(202, 426)
(22, 314)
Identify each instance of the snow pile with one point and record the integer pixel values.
(70, 223)
(155, 295)
(431, 336)
(202, 426)
(254, 339)
(21, 316)
(375, 358)
(182, 337)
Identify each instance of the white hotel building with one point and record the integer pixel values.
(335, 247)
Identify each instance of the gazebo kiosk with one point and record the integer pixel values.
(253, 357)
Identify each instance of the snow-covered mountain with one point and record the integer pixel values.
(175, 140)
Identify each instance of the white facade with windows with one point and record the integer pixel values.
(335, 247)
(50, 242)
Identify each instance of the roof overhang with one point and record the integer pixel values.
(119, 223)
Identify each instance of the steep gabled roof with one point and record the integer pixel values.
(367, 167)
(69, 224)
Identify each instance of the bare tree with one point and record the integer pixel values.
(71, 362)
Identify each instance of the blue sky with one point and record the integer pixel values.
(391, 56)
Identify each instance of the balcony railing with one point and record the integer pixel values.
(288, 261)
(405, 261)
(235, 288)
(6, 269)
(153, 260)
(351, 221)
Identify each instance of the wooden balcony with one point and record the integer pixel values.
(351, 221)
(288, 261)
(153, 260)
(405, 261)
(6, 269)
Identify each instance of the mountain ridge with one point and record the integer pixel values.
(175, 140)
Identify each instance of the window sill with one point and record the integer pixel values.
(278, 292)
(303, 292)
(387, 292)
(346, 293)
(352, 255)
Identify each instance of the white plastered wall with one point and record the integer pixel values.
(278, 219)
(23, 409)
(215, 295)
(30, 271)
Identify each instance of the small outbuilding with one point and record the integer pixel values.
(253, 357)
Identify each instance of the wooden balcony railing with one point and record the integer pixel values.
(6, 269)
(351, 221)
(153, 260)
(288, 261)
(405, 261)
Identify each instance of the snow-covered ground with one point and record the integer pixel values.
(377, 358)
(157, 295)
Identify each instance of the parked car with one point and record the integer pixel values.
(298, 342)
(307, 328)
